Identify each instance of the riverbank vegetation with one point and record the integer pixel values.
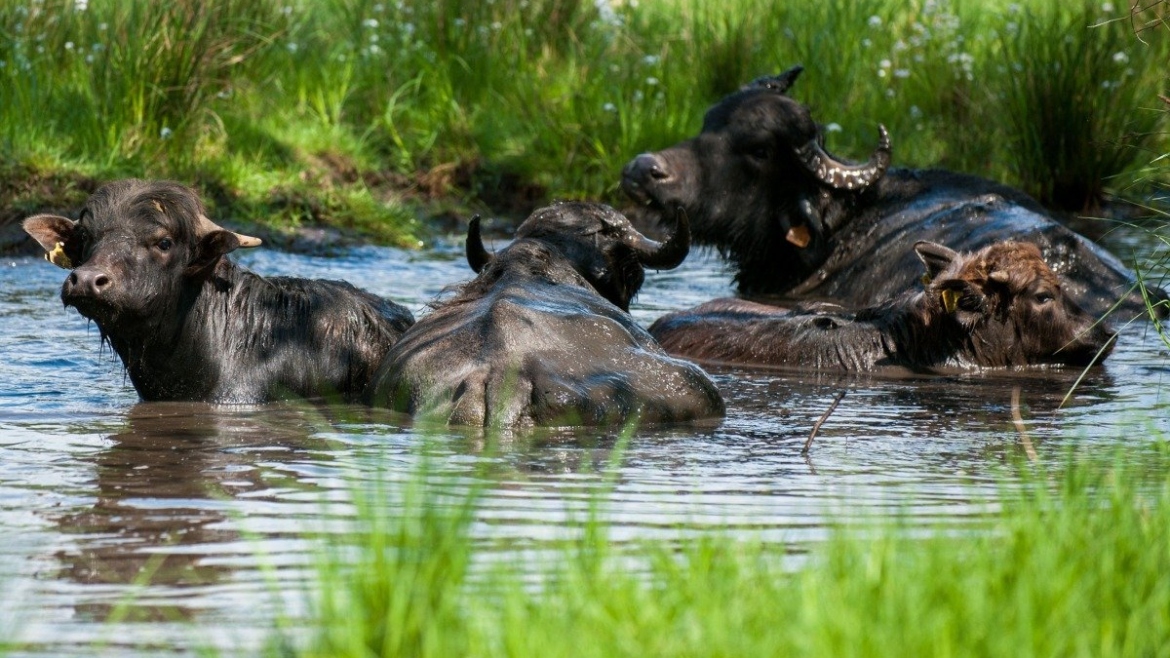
(376, 115)
(1068, 560)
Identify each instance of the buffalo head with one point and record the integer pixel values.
(1010, 306)
(756, 181)
(135, 246)
(597, 242)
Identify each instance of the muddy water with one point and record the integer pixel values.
(146, 529)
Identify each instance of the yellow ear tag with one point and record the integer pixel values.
(57, 257)
(950, 300)
(925, 279)
(799, 236)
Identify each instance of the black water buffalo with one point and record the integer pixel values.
(149, 268)
(1000, 306)
(542, 336)
(795, 221)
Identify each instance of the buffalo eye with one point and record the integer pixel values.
(758, 152)
(1044, 297)
(165, 244)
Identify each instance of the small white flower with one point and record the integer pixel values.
(80, 5)
(379, 9)
(866, 42)
(1120, 57)
(165, 133)
(833, 128)
(1107, 7)
(69, 46)
(496, 25)
(292, 46)
(650, 60)
(885, 64)
(1014, 8)
(915, 112)
(652, 81)
(875, 21)
(609, 107)
(460, 22)
(890, 93)
(638, 95)
(901, 73)
(370, 23)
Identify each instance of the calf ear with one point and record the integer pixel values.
(935, 257)
(57, 236)
(209, 250)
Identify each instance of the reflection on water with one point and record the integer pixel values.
(165, 517)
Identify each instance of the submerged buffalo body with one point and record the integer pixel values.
(795, 221)
(1001, 306)
(542, 336)
(151, 271)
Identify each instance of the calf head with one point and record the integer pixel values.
(1010, 305)
(135, 248)
(756, 181)
(599, 243)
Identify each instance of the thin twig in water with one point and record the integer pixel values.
(1018, 421)
(816, 428)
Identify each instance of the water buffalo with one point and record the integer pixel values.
(150, 269)
(796, 221)
(1000, 306)
(542, 335)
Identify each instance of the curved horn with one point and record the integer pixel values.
(207, 226)
(477, 255)
(777, 83)
(666, 255)
(841, 176)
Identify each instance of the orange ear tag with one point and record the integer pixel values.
(950, 300)
(57, 257)
(798, 235)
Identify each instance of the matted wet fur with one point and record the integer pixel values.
(151, 271)
(1001, 306)
(542, 336)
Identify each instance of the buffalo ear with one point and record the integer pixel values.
(778, 83)
(209, 250)
(934, 256)
(57, 237)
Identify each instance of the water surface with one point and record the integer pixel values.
(164, 516)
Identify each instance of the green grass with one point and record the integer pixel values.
(1069, 561)
(371, 114)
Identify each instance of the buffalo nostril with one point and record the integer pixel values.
(86, 282)
(648, 166)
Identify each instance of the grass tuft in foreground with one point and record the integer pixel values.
(1067, 563)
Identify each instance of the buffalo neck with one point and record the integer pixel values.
(178, 356)
(918, 333)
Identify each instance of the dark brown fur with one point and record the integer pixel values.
(1001, 306)
(541, 337)
(189, 324)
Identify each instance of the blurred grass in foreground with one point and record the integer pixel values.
(369, 113)
(1069, 561)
